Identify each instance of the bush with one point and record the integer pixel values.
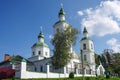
(71, 75)
(87, 78)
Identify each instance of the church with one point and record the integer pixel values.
(39, 64)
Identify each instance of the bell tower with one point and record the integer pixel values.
(87, 47)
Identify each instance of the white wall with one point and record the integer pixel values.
(28, 74)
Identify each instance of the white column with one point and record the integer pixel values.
(84, 71)
(76, 71)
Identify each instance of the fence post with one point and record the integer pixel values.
(48, 70)
(65, 72)
(84, 71)
(23, 68)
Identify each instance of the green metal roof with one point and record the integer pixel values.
(15, 60)
(42, 44)
(41, 35)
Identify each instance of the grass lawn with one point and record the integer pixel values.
(76, 78)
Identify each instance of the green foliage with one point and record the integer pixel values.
(97, 60)
(111, 61)
(87, 78)
(71, 75)
(62, 43)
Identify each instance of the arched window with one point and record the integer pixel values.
(33, 53)
(41, 68)
(35, 69)
(84, 46)
(39, 52)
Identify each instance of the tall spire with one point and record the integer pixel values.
(62, 13)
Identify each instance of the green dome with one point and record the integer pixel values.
(61, 12)
(85, 30)
(41, 35)
(41, 44)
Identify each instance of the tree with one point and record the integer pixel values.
(111, 61)
(97, 60)
(62, 43)
(116, 63)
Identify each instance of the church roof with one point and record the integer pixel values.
(74, 55)
(41, 44)
(15, 60)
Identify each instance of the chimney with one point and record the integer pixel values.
(6, 57)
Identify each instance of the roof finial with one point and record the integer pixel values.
(61, 5)
(40, 28)
(41, 33)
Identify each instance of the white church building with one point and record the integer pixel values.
(39, 64)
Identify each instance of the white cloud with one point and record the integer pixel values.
(102, 20)
(80, 13)
(114, 44)
(50, 37)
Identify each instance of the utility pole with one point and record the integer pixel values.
(82, 65)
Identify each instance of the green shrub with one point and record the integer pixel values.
(71, 75)
(87, 78)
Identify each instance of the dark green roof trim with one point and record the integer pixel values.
(60, 22)
(61, 12)
(40, 44)
(86, 38)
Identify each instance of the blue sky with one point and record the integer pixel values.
(20, 22)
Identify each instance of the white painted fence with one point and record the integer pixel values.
(23, 73)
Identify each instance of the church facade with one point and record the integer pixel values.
(39, 65)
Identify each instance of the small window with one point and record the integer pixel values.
(85, 57)
(91, 46)
(39, 52)
(84, 46)
(33, 53)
